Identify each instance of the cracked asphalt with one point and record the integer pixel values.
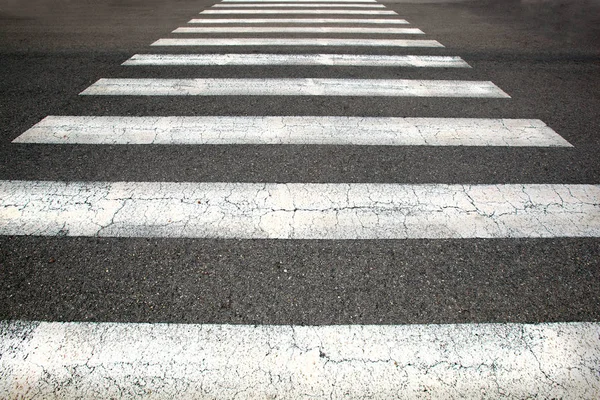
(543, 54)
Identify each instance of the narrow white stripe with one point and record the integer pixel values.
(298, 210)
(298, 59)
(297, 21)
(298, 42)
(357, 12)
(166, 361)
(294, 87)
(293, 130)
(254, 29)
(286, 5)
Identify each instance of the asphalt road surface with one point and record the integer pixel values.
(541, 56)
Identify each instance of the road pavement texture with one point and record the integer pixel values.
(299, 199)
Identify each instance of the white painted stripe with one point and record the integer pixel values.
(298, 42)
(297, 1)
(298, 59)
(348, 12)
(294, 87)
(185, 361)
(297, 21)
(287, 29)
(298, 210)
(292, 130)
(287, 5)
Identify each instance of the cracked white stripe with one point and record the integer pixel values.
(292, 130)
(286, 5)
(359, 60)
(298, 210)
(300, 1)
(296, 21)
(297, 42)
(165, 361)
(294, 87)
(287, 29)
(322, 11)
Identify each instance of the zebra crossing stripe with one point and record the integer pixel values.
(335, 211)
(286, 5)
(294, 87)
(292, 130)
(298, 1)
(298, 59)
(287, 29)
(322, 11)
(296, 21)
(298, 42)
(133, 360)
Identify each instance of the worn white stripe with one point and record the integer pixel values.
(294, 87)
(287, 5)
(297, 1)
(298, 210)
(298, 42)
(323, 11)
(296, 21)
(292, 130)
(298, 59)
(168, 361)
(287, 29)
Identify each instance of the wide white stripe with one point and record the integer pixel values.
(357, 12)
(297, 1)
(293, 130)
(286, 5)
(298, 42)
(294, 87)
(298, 59)
(296, 21)
(167, 361)
(287, 29)
(298, 210)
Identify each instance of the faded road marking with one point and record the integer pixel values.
(298, 59)
(297, 42)
(292, 130)
(297, 5)
(298, 210)
(166, 361)
(287, 29)
(294, 87)
(332, 11)
(296, 21)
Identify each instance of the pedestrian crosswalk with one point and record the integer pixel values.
(546, 360)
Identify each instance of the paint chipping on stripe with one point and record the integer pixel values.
(297, 42)
(298, 59)
(294, 87)
(297, 210)
(111, 360)
(308, 5)
(349, 30)
(296, 21)
(332, 11)
(292, 130)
